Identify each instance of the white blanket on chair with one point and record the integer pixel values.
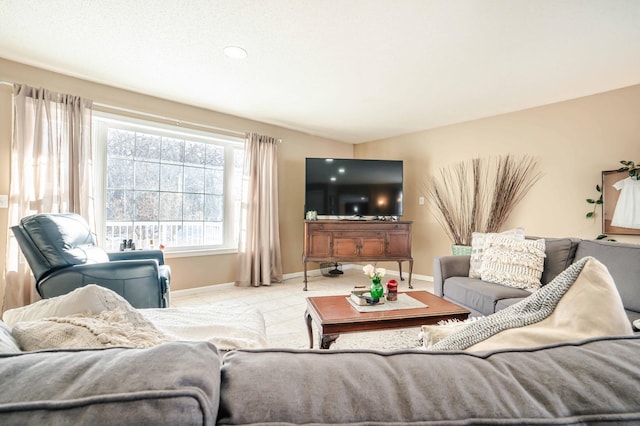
(227, 325)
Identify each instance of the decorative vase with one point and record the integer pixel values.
(461, 250)
(377, 291)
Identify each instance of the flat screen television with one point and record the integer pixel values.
(355, 188)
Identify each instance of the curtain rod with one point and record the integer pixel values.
(177, 122)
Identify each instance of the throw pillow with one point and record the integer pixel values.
(91, 299)
(580, 303)
(477, 247)
(513, 263)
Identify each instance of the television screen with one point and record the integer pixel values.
(353, 187)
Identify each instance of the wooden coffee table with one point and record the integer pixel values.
(335, 315)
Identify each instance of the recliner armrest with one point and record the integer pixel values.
(448, 266)
(138, 281)
(137, 255)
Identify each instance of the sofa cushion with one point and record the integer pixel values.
(505, 303)
(170, 384)
(623, 262)
(581, 302)
(481, 295)
(590, 382)
(512, 262)
(560, 253)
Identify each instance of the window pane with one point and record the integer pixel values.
(119, 173)
(147, 147)
(215, 155)
(147, 176)
(194, 153)
(172, 150)
(193, 206)
(171, 206)
(214, 182)
(170, 177)
(214, 208)
(213, 233)
(194, 179)
(120, 143)
(146, 205)
(119, 205)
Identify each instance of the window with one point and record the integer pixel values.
(162, 186)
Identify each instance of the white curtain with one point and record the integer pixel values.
(51, 172)
(259, 257)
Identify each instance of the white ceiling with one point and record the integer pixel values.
(350, 70)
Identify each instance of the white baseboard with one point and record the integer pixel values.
(310, 273)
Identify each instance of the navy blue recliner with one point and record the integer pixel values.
(62, 253)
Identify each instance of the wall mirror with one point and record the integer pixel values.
(620, 203)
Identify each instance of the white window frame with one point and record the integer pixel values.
(100, 123)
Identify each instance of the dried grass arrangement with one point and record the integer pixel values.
(480, 194)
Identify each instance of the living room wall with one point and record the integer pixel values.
(194, 271)
(573, 142)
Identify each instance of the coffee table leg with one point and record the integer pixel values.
(307, 318)
(326, 340)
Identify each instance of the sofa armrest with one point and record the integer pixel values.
(176, 383)
(448, 266)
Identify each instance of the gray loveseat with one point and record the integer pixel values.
(451, 275)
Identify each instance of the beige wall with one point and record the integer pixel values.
(573, 141)
(187, 272)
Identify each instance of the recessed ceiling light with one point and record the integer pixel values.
(235, 52)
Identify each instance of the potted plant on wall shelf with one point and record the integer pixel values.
(479, 195)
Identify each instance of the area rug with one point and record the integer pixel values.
(406, 338)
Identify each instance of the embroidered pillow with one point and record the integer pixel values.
(512, 262)
(477, 247)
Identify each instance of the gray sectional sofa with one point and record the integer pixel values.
(590, 382)
(594, 381)
(451, 275)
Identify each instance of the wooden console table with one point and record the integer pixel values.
(357, 241)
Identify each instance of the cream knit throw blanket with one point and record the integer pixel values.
(108, 328)
(529, 311)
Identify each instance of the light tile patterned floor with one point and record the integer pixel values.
(283, 304)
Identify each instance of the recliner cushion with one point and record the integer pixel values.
(482, 295)
(63, 239)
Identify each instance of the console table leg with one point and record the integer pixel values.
(410, 272)
(400, 269)
(305, 276)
